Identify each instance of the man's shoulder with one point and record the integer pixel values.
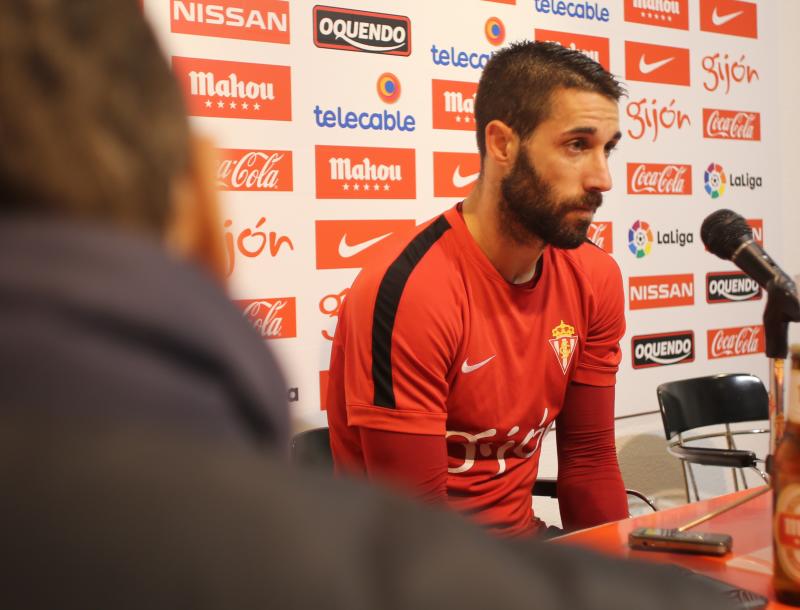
(593, 264)
(406, 253)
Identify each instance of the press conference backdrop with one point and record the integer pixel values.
(340, 123)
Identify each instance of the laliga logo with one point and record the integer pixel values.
(388, 88)
(640, 239)
(495, 31)
(715, 180)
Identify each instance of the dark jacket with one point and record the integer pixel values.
(135, 409)
(93, 320)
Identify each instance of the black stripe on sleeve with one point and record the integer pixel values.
(386, 303)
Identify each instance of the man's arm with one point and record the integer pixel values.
(415, 463)
(590, 487)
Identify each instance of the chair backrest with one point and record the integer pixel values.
(312, 449)
(706, 401)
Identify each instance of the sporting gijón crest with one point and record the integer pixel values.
(564, 342)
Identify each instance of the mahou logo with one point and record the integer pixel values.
(271, 318)
(757, 224)
(254, 170)
(346, 29)
(657, 64)
(454, 173)
(646, 292)
(662, 349)
(260, 20)
(731, 124)
(358, 172)
(731, 287)
(659, 179)
(733, 17)
(235, 90)
(739, 341)
(346, 244)
(453, 104)
(601, 235)
(594, 47)
(663, 13)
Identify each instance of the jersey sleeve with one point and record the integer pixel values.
(601, 355)
(402, 334)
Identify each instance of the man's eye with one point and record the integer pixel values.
(577, 145)
(610, 150)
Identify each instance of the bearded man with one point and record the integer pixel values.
(463, 342)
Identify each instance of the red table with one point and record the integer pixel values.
(749, 564)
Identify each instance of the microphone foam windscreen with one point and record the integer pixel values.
(723, 232)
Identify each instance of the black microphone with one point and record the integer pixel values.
(727, 234)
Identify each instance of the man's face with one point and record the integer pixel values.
(561, 171)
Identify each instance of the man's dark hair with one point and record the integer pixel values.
(92, 124)
(518, 81)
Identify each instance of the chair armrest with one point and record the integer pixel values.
(545, 487)
(706, 456)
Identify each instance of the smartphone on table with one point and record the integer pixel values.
(658, 539)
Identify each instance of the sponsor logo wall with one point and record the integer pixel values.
(342, 125)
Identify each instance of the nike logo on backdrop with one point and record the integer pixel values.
(468, 368)
(718, 19)
(460, 181)
(348, 251)
(646, 68)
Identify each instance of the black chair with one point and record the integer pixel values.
(312, 449)
(721, 400)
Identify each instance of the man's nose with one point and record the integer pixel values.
(598, 177)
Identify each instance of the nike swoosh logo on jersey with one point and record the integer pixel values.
(460, 181)
(468, 368)
(718, 19)
(647, 68)
(348, 251)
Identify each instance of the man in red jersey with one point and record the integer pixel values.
(459, 346)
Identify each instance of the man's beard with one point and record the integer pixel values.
(529, 210)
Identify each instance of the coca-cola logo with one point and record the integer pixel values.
(662, 349)
(739, 341)
(254, 170)
(601, 235)
(731, 124)
(271, 318)
(731, 287)
(659, 179)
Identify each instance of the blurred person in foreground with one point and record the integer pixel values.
(460, 345)
(138, 409)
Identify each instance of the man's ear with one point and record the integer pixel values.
(502, 144)
(195, 228)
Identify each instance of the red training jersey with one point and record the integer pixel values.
(433, 340)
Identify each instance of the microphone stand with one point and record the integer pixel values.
(782, 307)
